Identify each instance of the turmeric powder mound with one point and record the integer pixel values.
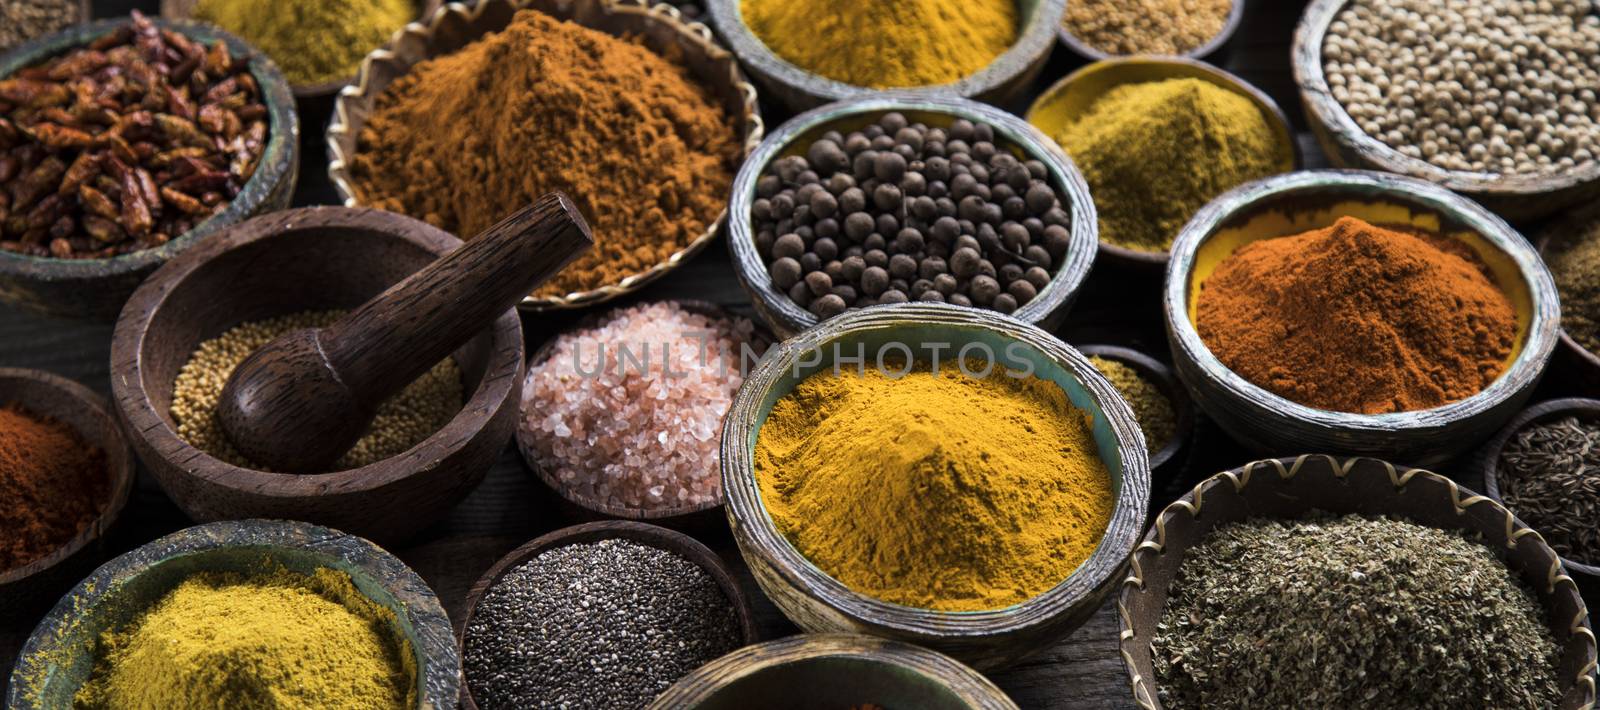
(940, 491)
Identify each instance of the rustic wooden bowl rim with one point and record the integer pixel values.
(1163, 378)
(1068, 182)
(1544, 411)
(1575, 222)
(1211, 46)
(272, 168)
(654, 536)
(119, 465)
(1536, 347)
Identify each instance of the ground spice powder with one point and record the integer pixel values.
(1358, 318)
(467, 138)
(1574, 259)
(52, 485)
(313, 41)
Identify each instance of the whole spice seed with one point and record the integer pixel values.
(419, 410)
(1123, 27)
(124, 144)
(313, 41)
(1351, 612)
(23, 20)
(608, 624)
(1549, 475)
(1150, 407)
(52, 485)
(1574, 260)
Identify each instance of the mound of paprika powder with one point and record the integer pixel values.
(53, 484)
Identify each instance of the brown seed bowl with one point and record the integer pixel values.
(786, 318)
(1515, 197)
(457, 24)
(97, 288)
(1005, 79)
(987, 639)
(1073, 95)
(1215, 50)
(651, 535)
(31, 587)
(1296, 202)
(694, 518)
(1290, 488)
(311, 258)
(1573, 357)
(1162, 377)
(60, 655)
(811, 671)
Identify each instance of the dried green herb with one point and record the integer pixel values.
(1550, 477)
(1574, 260)
(1350, 612)
(1150, 407)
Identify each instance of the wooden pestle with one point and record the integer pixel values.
(301, 401)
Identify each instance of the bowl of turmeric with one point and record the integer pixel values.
(934, 474)
(1357, 312)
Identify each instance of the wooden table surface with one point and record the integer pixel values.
(512, 507)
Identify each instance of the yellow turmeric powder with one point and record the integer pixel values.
(882, 44)
(940, 491)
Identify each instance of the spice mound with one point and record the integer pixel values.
(1123, 27)
(312, 40)
(1574, 260)
(1154, 153)
(1359, 318)
(23, 20)
(1549, 474)
(607, 624)
(884, 45)
(124, 144)
(645, 152)
(53, 485)
(274, 639)
(938, 490)
(415, 413)
(1350, 612)
(1150, 407)
(628, 413)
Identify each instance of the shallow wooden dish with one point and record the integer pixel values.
(833, 671)
(651, 535)
(1166, 457)
(31, 587)
(97, 288)
(313, 258)
(85, 12)
(458, 24)
(985, 639)
(1002, 81)
(1215, 50)
(1070, 97)
(1515, 197)
(1573, 357)
(786, 318)
(1297, 202)
(59, 658)
(1294, 487)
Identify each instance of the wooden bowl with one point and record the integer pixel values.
(1005, 79)
(704, 516)
(1161, 376)
(314, 258)
(97, 288)
(651, 535)
(842, 671)
(1573, 357)
(33, 586)
(786, 318)
(1214, 50)
(1515, 197)
(1074, 94)
(60, 656)
(1302, 201)
(1292, 488)
(986, 639)
(85, 12)
(457, 24)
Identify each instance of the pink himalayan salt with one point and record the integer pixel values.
(643, 431)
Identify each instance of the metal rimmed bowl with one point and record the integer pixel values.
(1573, 357)
(1074, 94)
(659, 26)
(985, 639)
(1214, 50)
(833, 671)
(1298, 202)
(60, 656)
(1515, 197)
(1292, 488)
(786, 318)
(97, 288)
(1002, 81)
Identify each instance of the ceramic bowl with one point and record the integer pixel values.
(1165, 457)
(833, 671)
(1572, 357)
(1214, 50)
(97, 288)
(659, 26)
(787, 318)
(1292, 488)
(1069, 98)
(987, 639)
(1003, 80)
(1297, 202)
(60, 656)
